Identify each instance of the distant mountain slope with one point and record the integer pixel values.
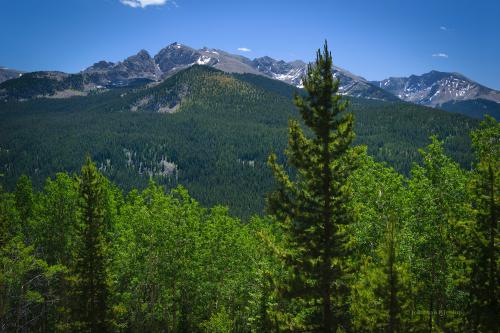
(475, 108)
(214, 135)
(43, 84)
(289, 72)
(437, 88)
(292, 73)
(177, 56)
(356, 86)
(139, 66)
(7, 74)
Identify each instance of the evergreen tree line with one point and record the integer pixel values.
(349, 244)
(219, 138)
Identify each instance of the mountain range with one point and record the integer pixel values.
(450, 91)
(176, 56)
(437, 88)
(206, 129)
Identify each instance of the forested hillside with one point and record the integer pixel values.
(346, 243)
(475, 108)
(204, 129)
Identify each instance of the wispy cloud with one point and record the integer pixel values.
(446, 29)
(143, 3)
(244, 49)
(440, 55)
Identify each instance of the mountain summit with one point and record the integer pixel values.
(139, 66)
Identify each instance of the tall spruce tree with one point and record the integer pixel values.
(91, 289)
(313, 207)
(485, 282)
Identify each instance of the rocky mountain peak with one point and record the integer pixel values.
(138, 66)
(175, 55)
(143, 54)
(99, 66)
(436, 88)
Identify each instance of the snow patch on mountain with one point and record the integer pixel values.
(203, 60)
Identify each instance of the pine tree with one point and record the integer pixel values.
(312, 209)
(486, 274)
(91, 289)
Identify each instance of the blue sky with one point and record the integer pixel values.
(372, 38)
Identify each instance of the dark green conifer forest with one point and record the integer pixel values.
(354, 238)
(216, 144)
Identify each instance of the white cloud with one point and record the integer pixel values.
(244, 49)
(440, 55)
(445, 29)
(143, 3)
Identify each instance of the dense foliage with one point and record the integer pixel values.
(423, 254)
(215, 143)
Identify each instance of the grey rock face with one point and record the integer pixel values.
(227, 62)
(7, 74)
(176, 56)
(289, 72)
(100, 66)
(139, 66)
(357, 86)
